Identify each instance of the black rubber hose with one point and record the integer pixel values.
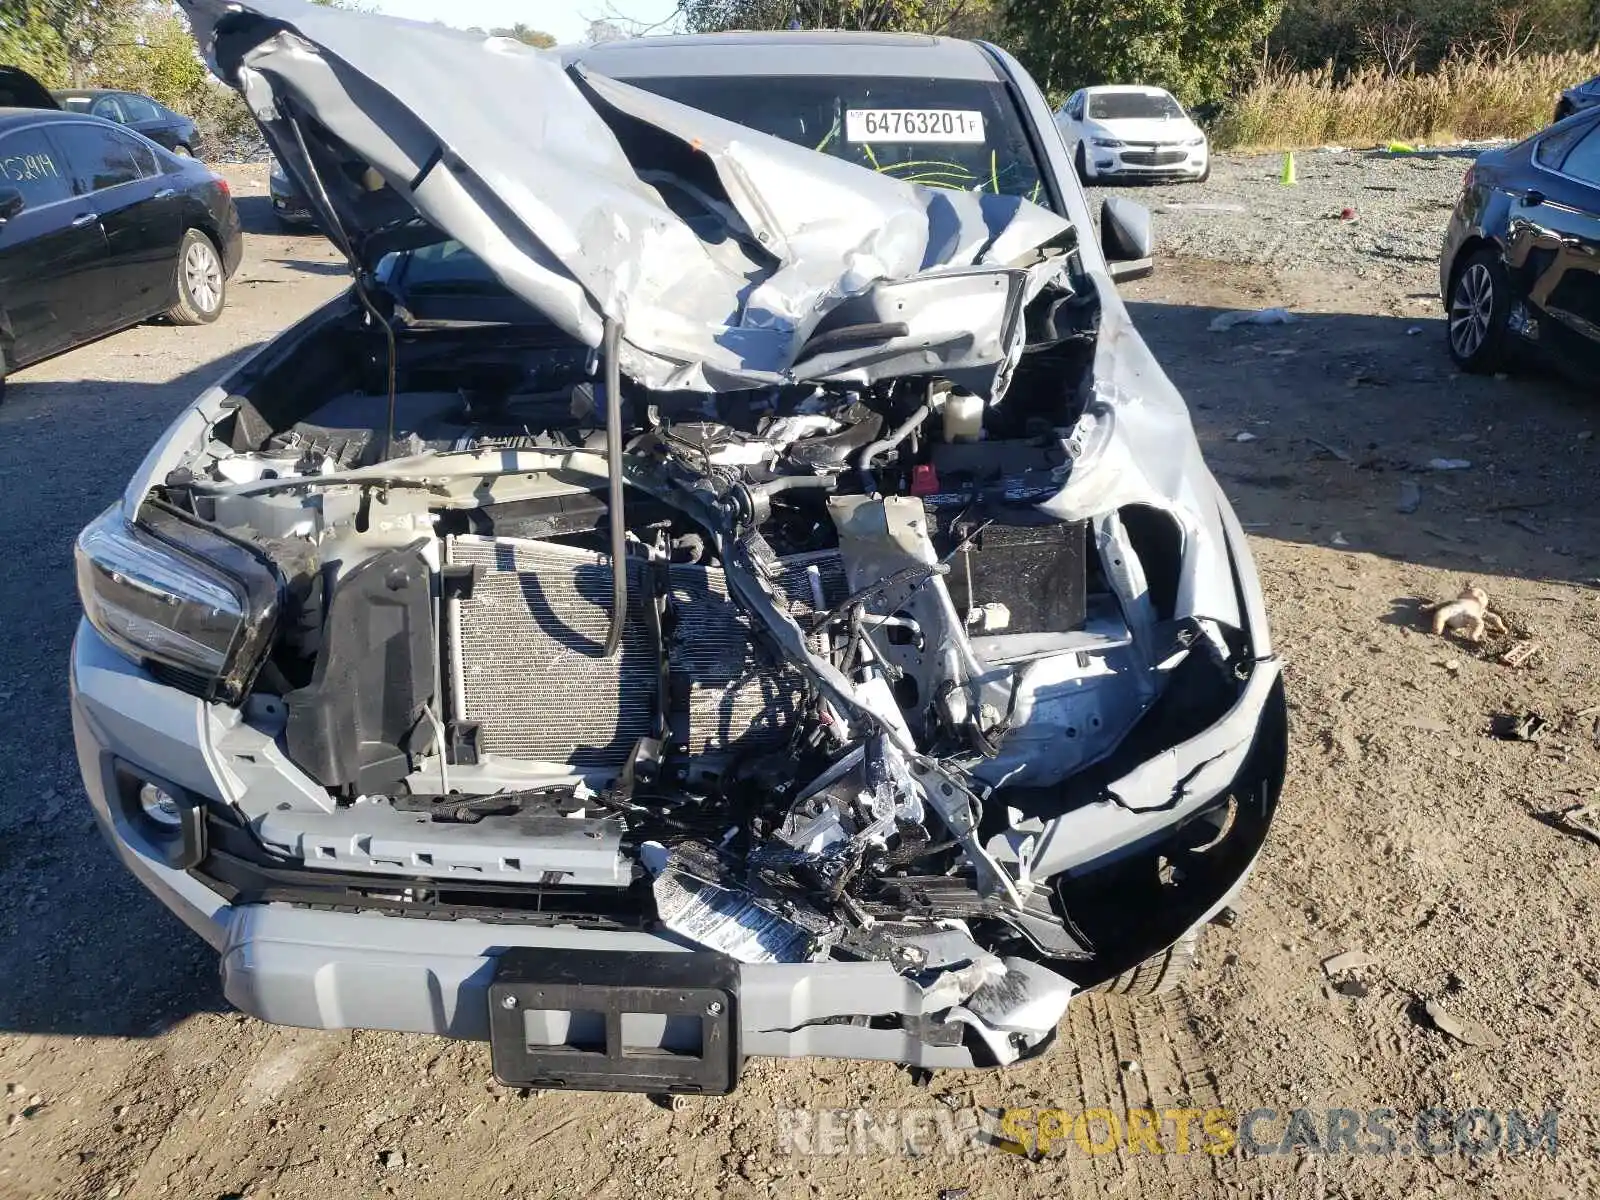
(788, 483)
(899, 434)
(611, 351)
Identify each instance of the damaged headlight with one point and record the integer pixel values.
(195, 607)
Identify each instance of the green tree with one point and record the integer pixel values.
(29, 39)
(157, 59)
(526, 34)
(1402, 35)
(83, 29)
(1196, 49)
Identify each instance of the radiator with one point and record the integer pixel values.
(524, 653)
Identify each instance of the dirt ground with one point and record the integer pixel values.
(1407, 831)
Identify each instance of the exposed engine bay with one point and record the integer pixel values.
(860, 667)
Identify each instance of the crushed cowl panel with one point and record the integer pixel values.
(720, 278)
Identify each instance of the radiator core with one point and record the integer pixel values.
(525, 645)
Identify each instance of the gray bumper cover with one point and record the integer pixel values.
(321, 969)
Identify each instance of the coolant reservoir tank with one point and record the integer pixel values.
(963, 417)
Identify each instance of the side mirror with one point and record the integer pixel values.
(11, 203)
(1126, 239)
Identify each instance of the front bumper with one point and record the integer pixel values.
(313, 967)
(1142, 162)
(291, 207)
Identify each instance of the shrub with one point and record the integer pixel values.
(1469, 96)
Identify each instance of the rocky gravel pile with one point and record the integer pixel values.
(237, 148)
(1370, 214)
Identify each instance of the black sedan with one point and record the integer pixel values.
(100, 229)
(18, 89)
(140, 113)
(1578, 97)
(1521, 264)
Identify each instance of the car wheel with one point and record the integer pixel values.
(1081, 161)
(1158, 974)
(1480, 301)
(182, 151)
(1206, 174)
(201, 284)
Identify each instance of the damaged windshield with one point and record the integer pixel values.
(946, 133)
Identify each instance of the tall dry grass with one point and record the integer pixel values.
(1467, 97)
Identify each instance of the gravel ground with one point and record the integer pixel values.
(1406, 830)
(1243, 214)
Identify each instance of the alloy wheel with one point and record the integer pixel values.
(1471, 310)
(202, 276)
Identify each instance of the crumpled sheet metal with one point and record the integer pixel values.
(535, 181)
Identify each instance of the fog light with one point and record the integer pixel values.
(163, 819)
(160, 806)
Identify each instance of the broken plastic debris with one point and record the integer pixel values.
(1520, 653)
(1245, 436)
(1264, 316)
(815, 834)
(1582, 819)
(731, 922)
(1423, 722)
(1410, 497)
(1462, 1029)
(1449, 464)
(1338, 539)
(722, 917)
(1350, 960)
(1529, 727)
(1187, 206)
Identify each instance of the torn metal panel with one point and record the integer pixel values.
(718, 285)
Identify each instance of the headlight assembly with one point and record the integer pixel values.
(196, 607)
(1108, 143)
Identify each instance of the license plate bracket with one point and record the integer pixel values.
(582, 1019)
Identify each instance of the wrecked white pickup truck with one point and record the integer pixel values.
(727, 580)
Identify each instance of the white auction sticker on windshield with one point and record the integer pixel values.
(913, 125)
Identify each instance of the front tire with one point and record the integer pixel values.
(1476, 318)
(201, 284)
(1081, 161)
(1158, 974)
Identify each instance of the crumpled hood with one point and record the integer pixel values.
(730, 258)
